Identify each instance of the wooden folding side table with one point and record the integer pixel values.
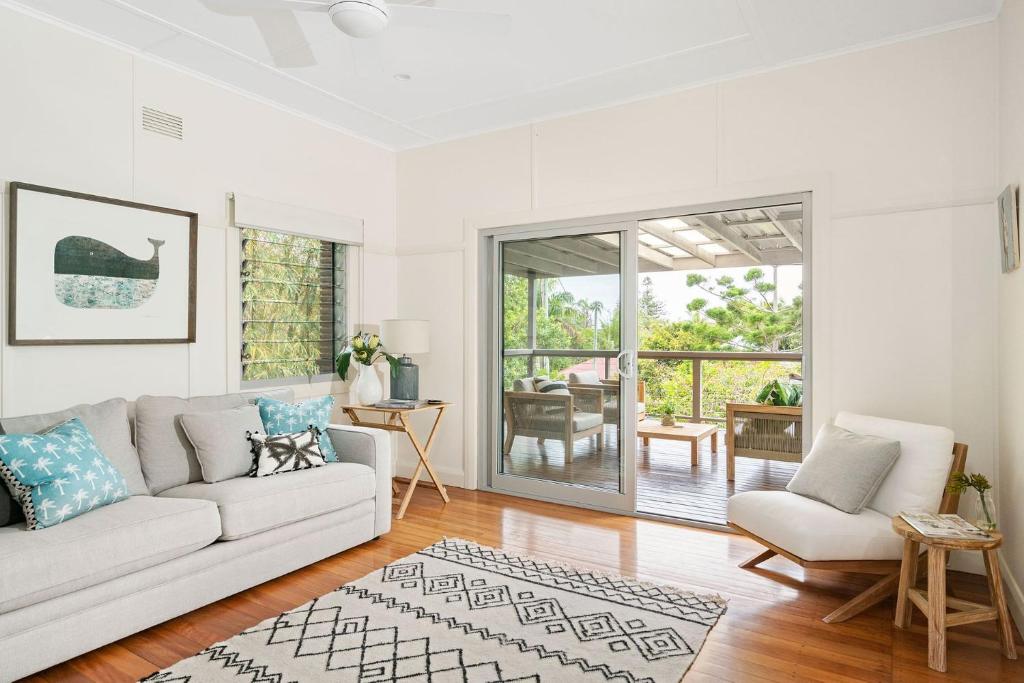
(397, 420)
(935, 601)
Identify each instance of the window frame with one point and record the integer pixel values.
(352, 300)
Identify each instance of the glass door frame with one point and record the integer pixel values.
(623, 500)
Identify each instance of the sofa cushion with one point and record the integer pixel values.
(220, 440)
(815, 531)
(584, 377)
(106, 421)
(251, 505)
(59, 474)
(918, 479)
(285, 417)
(118, 539)
(168, 458)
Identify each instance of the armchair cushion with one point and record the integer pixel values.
(556, 422)
(918, 478)
(584, 377)
(844, 469)
(815, 531)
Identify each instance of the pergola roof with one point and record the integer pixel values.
(770, 236)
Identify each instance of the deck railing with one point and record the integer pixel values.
(696, 358)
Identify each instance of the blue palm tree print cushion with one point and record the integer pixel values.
(287, 418)
(59, 474)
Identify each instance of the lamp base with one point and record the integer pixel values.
(405, 382)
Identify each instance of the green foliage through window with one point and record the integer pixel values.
(293, 305)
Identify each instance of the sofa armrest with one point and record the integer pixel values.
(370, 447)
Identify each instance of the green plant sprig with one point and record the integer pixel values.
(365, 349)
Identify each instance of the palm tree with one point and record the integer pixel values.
(72, 469)
(3, 440)
(46, 505)
(90, 477)
(60, 483)
(97, 463)
(63, 512)
(74, 450)
(50, 448)
(16, 465)
(107, 487)
(26, 442)
(43, 465)
(80, 497)
(94, 502)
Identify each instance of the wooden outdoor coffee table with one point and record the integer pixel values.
(396, 420)
(694, 433)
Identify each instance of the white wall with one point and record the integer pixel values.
(899, 143)
(70, 117)
(1010, 474)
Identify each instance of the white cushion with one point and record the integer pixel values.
(918, 478)
(555, 423)
(249, 505)
(584, 377)
(815, 531)
(135, 533)
(525, 384)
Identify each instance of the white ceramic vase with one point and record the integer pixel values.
(367, 389)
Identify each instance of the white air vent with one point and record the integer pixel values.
(162, 123)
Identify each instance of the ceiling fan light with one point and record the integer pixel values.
(359, 18)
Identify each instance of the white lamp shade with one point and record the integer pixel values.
(405, 336)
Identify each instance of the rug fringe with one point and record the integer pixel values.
(668, 588)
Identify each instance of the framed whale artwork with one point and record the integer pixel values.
(85, 269)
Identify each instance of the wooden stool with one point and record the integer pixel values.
(934, 601)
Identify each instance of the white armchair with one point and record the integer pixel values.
(818, 536)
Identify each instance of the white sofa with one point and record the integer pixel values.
(178, 543)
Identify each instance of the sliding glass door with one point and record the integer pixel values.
(562, 387)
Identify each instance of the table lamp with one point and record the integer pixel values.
(405, 337)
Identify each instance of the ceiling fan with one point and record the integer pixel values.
(356, 18)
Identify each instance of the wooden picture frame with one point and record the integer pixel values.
(95, 285)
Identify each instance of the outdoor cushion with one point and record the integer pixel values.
(815, 531)
(555, 423)
(918, 478)
(584, 377)
(112, 541)
(167, 456)
(844, 469)
(251, 505)
(108, 424)
(525, 384)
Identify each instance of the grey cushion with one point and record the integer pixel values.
(168, 458)
(108, 424)
(112, 541)
(250, 505)
(219, 440)
(844, 469)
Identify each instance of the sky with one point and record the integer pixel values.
(670, 287)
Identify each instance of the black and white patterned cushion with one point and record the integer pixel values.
(547, 386)
(285, 452)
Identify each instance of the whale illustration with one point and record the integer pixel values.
(89, 273)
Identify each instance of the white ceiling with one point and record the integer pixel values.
(559, 56)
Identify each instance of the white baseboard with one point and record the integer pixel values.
(1014, 597)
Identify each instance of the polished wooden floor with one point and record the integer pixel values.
(666, 483)
(771, 632)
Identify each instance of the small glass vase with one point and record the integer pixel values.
(985, 511)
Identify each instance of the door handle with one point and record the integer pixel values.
(624, 364)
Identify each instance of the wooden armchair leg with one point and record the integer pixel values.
(758, 559)
(879, 591)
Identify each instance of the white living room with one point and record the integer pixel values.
(511, 340)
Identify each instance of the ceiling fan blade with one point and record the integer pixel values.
(284, 38)
(250, 7)
(451, 20)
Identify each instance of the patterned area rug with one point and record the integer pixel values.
(458, 611)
